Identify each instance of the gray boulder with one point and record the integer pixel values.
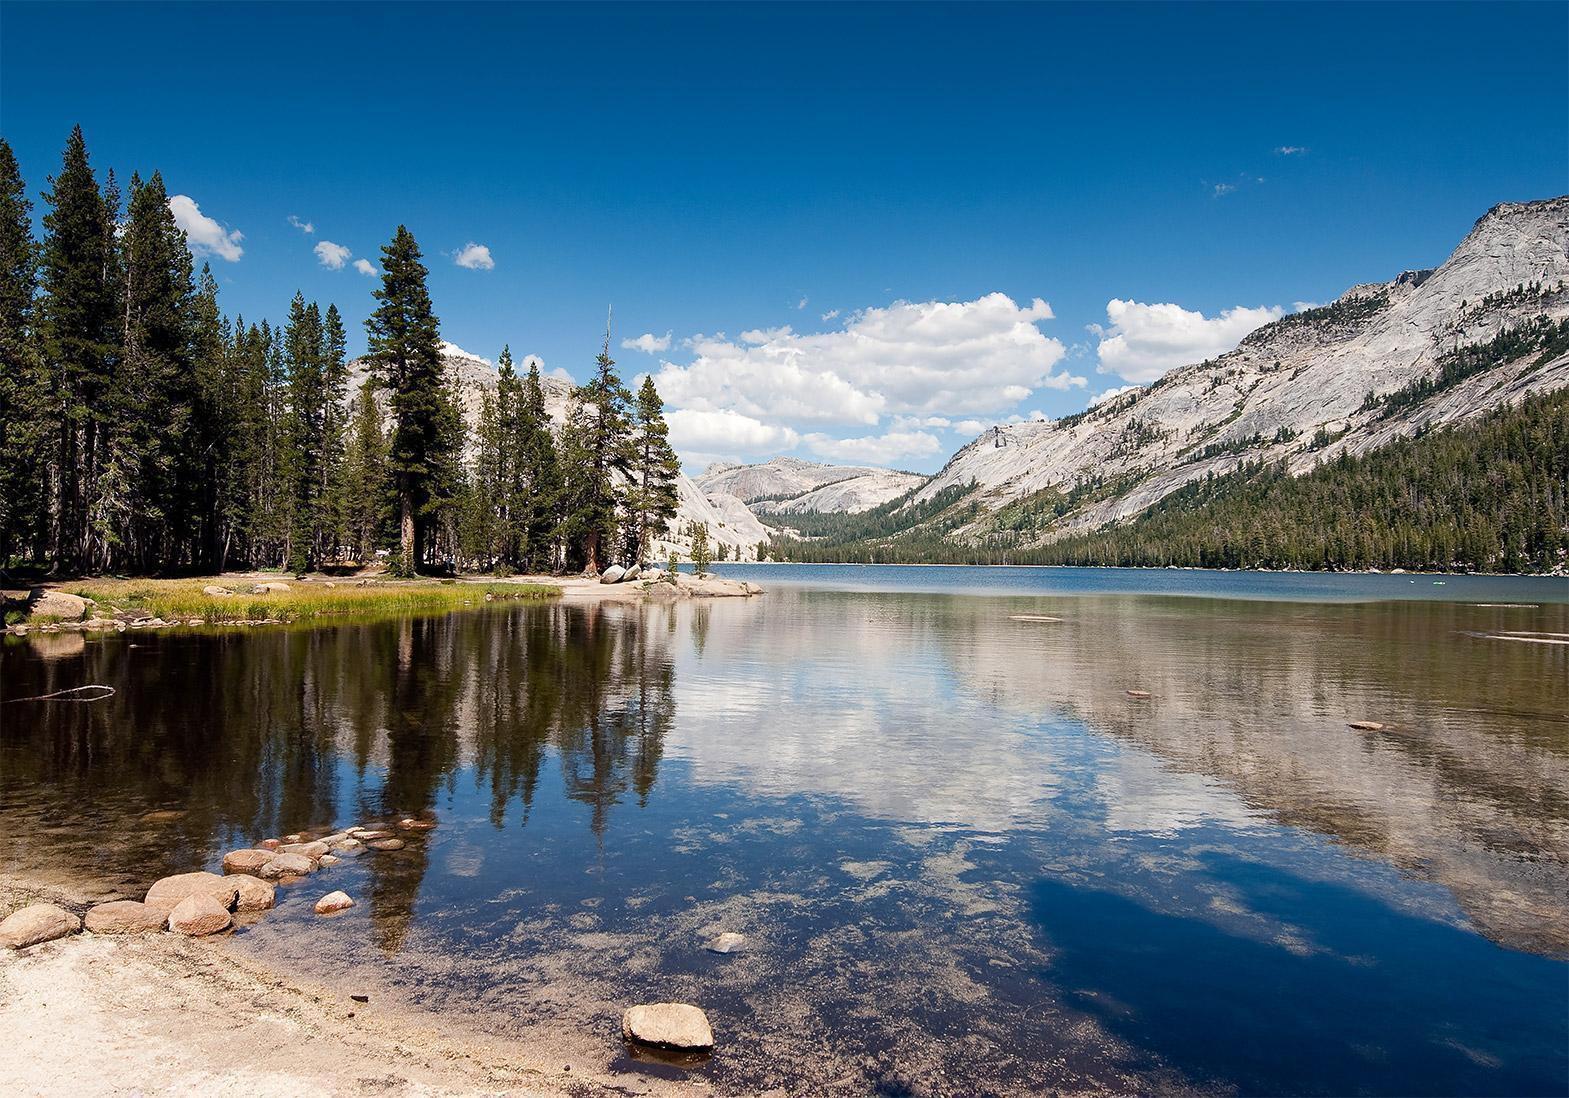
(612, 574)
(679, 1026)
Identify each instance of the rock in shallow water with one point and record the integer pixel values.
(1366, 726)
(246, 861)
(387, 844)
(288, 865)
(728, 942)
(255, 893)
(125, 917)
(668, 1025)
(168, 892)
(37, 923)
(333, 902)
(199, 915)
(313, 849)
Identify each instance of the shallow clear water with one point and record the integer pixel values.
(965, 859)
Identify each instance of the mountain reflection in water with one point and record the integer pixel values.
(965, 858)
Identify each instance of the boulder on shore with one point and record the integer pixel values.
(255, 893)
(37, 923)
(125, 917)
(246, 861)
(632, 573)
(269, 587)
(333, 902)
(168, 892)
(216, 592)
(62, 605)
(678, 1026)
(198, 915)
(613, 574)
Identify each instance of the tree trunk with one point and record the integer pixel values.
(406, 532)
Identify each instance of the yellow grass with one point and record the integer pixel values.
(184, 599)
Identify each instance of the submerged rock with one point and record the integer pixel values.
(329, 859)
(728, 942)
(387, 844)
(198, 915)
(1138, 693)
(365, 835)
(412, 824)
(352, 848)
(288, 865)
(37, 923)
(1367, 726)
(333, 902)
(125, 917)
(246, 861)
(255, 894)
(168, 892)
(668, 1025)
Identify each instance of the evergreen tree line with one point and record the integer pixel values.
(143, 431)
(1487, 495)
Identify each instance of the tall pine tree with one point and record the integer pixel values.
(405, 352)
(652, 499)
(23, 391)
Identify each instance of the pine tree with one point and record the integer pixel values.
(303, 445)
(701, 557)
(80, 333)
(653, 498)
(142, 516)
(23, 388)
(598, 462)
(334, 430)
(540, 518)
(213, 427)
(405, 352)
(366, 476)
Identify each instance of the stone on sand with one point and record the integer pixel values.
(728, 942)
(167, 892)
(678, 1026)
(125, 917)
(198, 915)
(613, 574)
(37, 923)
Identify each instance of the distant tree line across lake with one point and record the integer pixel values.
(143, 431)
(1489, 495)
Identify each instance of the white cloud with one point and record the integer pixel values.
(970, 426)
(203, 235)
(304, 226)
(910, 358)
(648, 343)
(883, 449)
(1144, 341)
(1223, 189)
(476, 257)
(830, 314)
(332, 256)
(725, 432)
(1112, 394)
(365, 267)
(1291, 150)
(559, 373)
(801, 304)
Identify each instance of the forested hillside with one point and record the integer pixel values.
(1488, 495)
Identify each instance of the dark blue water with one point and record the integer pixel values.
(965, 858)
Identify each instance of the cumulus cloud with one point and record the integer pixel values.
(648, 343)
(476, 257)
(726, 432)
(1144, 341)
(883, 449)
(910, 358)
(304, 226)
(970, 426)
(203, 235)
(365, 266)
(332, 256)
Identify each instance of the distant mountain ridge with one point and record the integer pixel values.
(1376, 365)
(787, 485)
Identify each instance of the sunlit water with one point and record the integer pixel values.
(964, 858)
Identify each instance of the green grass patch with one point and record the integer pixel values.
(184, 599)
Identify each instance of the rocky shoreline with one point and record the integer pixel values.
(60, 946)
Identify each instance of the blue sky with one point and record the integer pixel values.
(911, 190)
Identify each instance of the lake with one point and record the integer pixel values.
(965, 858)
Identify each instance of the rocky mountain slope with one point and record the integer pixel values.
(1381, 362)
(729, 521)
(788, 485)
